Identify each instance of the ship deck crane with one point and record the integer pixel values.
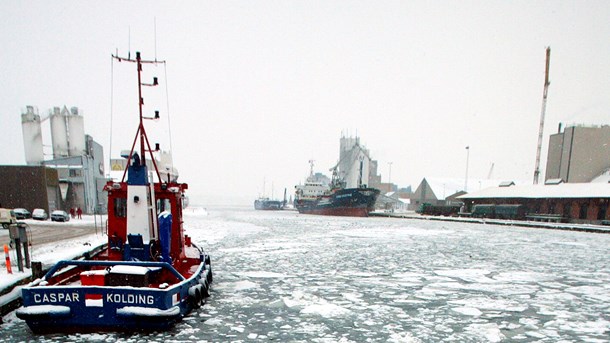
(541, 129)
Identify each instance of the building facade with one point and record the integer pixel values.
(78, 160)
(29, 187)
(578, 154)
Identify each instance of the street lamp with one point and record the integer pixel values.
(466, 178)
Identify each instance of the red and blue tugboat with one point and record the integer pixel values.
(147, 277)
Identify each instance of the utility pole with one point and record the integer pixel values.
(466, 178)
(541, 129)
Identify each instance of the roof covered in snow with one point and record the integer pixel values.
(604, 177)
(446, 187)
(562, 190)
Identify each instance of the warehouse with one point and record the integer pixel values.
(555, 201)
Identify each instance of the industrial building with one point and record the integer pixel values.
(563, 202)
(354, 162)
(73, 177)
(577, 186)
(578, 154)
(443, 191)
(29, 187)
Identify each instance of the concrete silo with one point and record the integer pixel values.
(32, 136)
(354, 161)
(76, 133)
(59, 132)
(67, 132)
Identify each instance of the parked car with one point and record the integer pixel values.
(22, 213)
(40, 214)
(7, 217)
(60, 216)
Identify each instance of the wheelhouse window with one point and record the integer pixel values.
(163, 205)
(120, 207)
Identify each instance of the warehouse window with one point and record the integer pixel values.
(584, 208)
(567, 210)
(602, 210)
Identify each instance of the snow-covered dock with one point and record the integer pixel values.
(503, 222)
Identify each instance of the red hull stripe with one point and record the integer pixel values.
(338, 211)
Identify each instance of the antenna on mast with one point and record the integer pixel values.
(155, 39)
(541, 129)
(129, 42)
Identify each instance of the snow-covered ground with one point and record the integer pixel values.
(48, 254)
(283, 277)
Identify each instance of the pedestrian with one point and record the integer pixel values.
(79, 212)
(72, 212)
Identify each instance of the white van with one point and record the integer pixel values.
(7, 217)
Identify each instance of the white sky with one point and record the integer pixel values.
(256, 89)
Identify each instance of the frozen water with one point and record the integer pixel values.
(285, 277)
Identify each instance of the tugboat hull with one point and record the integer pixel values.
(107, 308)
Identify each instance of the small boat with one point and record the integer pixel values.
(149, 274)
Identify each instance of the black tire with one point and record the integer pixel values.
(195, 299)
(205, 292)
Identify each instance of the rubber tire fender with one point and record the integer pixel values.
(195, 296)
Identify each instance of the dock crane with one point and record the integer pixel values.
(541, 129)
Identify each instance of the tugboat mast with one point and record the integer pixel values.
(141, 131)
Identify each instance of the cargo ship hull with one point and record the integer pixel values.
(353, 202)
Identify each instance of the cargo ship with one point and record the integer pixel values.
(354, 202)
(334, 199)
(148, 276)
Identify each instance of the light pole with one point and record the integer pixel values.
(466, 178)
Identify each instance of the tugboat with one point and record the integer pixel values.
(147, 277)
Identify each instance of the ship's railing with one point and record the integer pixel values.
(66, 263)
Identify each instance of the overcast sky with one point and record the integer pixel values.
(258, 88)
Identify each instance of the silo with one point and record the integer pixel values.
(59, 132)
(76, 133)
(32, 136)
